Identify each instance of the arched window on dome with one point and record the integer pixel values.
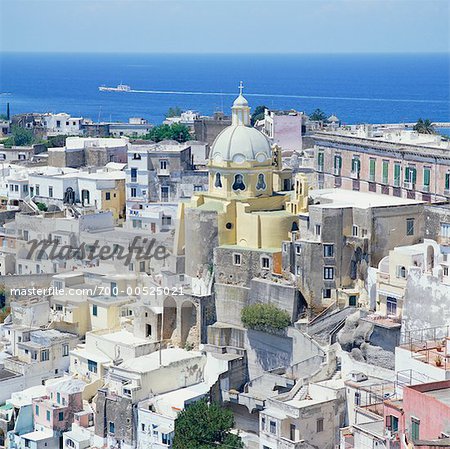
(238, 182)
(261, 184)
(218, 181)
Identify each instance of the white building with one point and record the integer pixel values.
(62, 124)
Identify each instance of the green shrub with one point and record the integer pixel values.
(265, 317)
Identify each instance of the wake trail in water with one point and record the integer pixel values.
(175, 92)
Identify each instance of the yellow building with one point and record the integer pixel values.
(248, 195)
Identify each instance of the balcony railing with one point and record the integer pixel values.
(354, 174)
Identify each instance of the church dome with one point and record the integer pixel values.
(240, 142)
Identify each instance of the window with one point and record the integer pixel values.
(25, 235)
(385, 172)
(263, 423)
(70, 443)
(50, 192)
(36, 409)
(337, 165)
(237, 259)
(58, 397)
(163, 163)
(37, 189)
(48, 415)
(238, 182)
(357, 398)
(165, 437)
(218, 181)
(328, 273)
(261, 184)
(136, 157)
(372, 163)
(133, 192)
(326, 293)
(410, 177)
(92, 366)
(143, 427)
(112, 427)
(447, 181)
(166, 220)
(319, 425)
(410, 226)
(265, 262)
(133, 173)
(65, 350)
(415, 428)
(317, 229)
(445, 270)
(198, 188)
(445, 230)
(107, 196)
(292, 432)
(94, 310)
(397, 174)
(60, 416)
(2, 156)
(298, 249)
(352, 300)
(356, 166)
(114, 289)
(426, 179)
(391, 305)
(328, 250)
(164, 193)
(320, 161)
(45, 355)
(355, 231)
(401, 271)
(273, 427)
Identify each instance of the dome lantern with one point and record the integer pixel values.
(240, 109)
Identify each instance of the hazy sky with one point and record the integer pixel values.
(218, 26)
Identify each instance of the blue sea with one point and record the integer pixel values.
(358, 88)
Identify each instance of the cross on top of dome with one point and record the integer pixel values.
(241, 87)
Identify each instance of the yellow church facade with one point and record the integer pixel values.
(247, 188)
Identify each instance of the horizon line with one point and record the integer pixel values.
(200, 53)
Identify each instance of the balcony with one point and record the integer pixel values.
(409, 185)
(354, 174)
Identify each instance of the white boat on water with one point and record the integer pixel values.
(119, 88)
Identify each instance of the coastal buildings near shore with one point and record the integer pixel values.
(296, 273)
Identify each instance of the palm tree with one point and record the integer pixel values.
(424, 126)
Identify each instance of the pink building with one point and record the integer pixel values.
(56, 410)
(401, 164)
(422, 418)
(284, 128)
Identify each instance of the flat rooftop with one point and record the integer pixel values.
(339, 198)
(150, 362)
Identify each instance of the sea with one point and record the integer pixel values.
(358, 88)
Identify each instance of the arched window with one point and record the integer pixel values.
(218, 181)
(261, 184)
(238, 182)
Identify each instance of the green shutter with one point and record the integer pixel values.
(372, 167)
(447, 181)
(397, 172)
(385, 170)
(414, 175)
(426, 176)
(407, 174)
(320, 159)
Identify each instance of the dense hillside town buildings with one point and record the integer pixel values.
(295, 273)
